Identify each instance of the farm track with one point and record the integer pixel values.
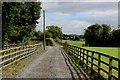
(53, 63)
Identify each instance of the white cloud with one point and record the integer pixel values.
(68, 26)
(80, 0)
(73, 7)
(96, 12)
(60, 14)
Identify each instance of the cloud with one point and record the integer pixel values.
(79, 7)
(75, 16)
(78, 0)
(68, 26)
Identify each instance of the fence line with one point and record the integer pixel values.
(14, 54)
(9, 46)
(95, 59)
(14, 45)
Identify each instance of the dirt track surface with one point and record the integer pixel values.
(54, 63)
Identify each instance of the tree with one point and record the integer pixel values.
(19, 21)
(105, 34)
(116, 37)
(101, 35)
(55, 31)
(92, 34)
(48, 34)
(65, 37)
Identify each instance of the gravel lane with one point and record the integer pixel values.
(54, 63)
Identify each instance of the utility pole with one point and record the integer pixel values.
(61, 36)
(1, 45)
(44, 43)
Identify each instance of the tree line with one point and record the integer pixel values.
(102, 35)
(95, 35)
(56, 33)
(19, 26)
(74, 37)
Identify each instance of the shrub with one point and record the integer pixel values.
(57, 39)
(50, 42)
(48, 34)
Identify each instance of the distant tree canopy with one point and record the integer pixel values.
(53, 32)
(116, 37)
(19, 21)
(101, 35)
(72, 37)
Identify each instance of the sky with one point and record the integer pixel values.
(75, 16)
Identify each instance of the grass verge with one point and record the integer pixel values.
(14, 68)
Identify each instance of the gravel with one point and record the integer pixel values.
(53, 63)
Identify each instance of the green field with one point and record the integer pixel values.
(112, 51)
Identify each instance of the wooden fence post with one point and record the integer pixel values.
(87, 59)
(83, 55)
(99, 56)
(73, 52)
(119, 69)
(80, 54)
(110, 68)
(66, 47)
(92, 64)
(77, 53)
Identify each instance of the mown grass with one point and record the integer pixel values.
(112, 51)
(105, 50)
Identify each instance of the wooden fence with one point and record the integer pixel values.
(10, 46)
(14, 54)
(16, 45)
(95, 60)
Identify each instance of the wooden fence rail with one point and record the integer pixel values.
(14, 54)
(95, 60)
(16, 45)
(10, 46)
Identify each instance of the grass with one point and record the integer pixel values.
(112, 51)
(14, 68)
(105, 50)
(77, 43)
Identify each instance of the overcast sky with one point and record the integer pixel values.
(74, 17)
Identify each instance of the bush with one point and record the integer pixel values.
(57, 39)
(50, 42)
(48, 34)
